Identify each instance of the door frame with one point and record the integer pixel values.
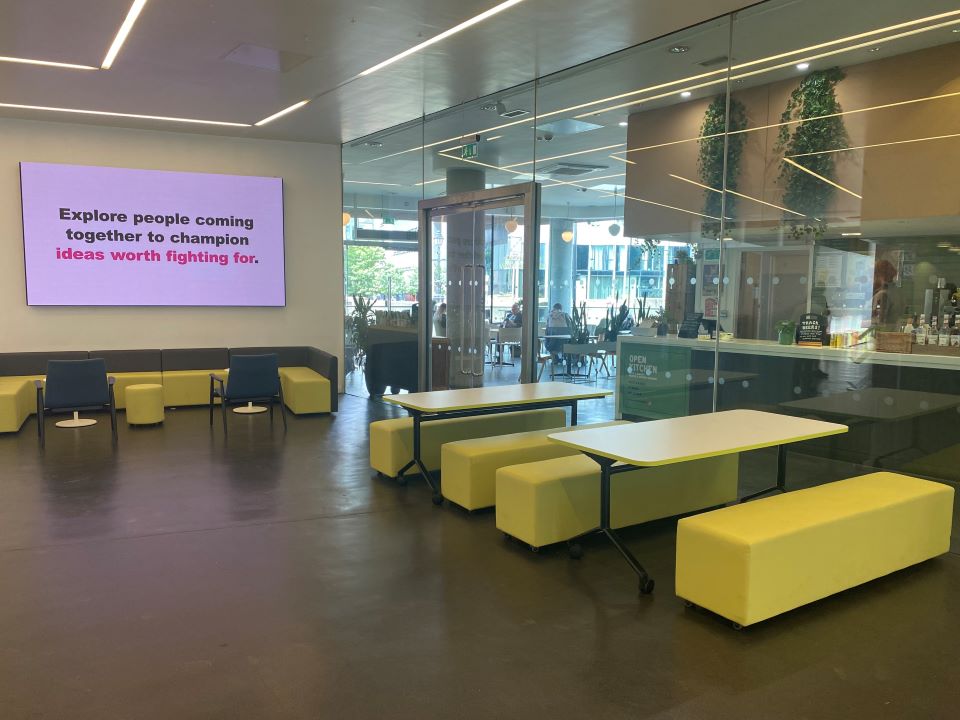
(525, 194)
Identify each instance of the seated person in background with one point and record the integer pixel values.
(440, 321)
(556, 325)
(514, 318)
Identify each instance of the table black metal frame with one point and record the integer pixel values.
(422, 416)
(610, 467)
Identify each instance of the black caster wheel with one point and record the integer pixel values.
(646, 586)
(736, 626)
(534, 548)
(689, 605)
(402, 480)
(507, 537)
(437, 499)
(575, 551)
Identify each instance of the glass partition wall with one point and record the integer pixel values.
(760, 211)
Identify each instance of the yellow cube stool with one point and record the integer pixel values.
(752, 561)
(551, 501)
(144, 404)
(469, 467)
(391, 441)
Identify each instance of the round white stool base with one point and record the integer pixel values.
(77, 422)
(249, 409)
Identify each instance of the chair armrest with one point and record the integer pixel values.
(111, 380)
(328, 366)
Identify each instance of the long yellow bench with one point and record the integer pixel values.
(752, 561)
(469, 467)
(391, 441)
(551, 501)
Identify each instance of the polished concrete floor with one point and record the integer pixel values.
(183, 577)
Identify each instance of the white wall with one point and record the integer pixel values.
(314, 248)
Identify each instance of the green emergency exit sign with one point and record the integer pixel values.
(469, 151)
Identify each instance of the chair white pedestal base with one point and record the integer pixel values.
(249, 409)
(76, 422)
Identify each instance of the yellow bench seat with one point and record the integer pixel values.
(391, 441)
(18, 400)
(188, 387)
(123, 380)
(305, 390)
(469, 467)
(756, 560)
(551, 501)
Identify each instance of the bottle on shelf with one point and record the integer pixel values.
(933, 333)
(944, 337)
(921, 332)
(954, 333)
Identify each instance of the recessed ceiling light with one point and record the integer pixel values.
(850, 234)
(122, 33)
(442, 36)
(874, 49)
(955, 30)
(803, 66)
(678, 49)
(623, 123)
(685, 94)
(271, 118)
(105, 113)
(46, 63)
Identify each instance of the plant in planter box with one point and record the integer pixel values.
(361, 319)
(660, 318)
(577, 325)
(609, 328)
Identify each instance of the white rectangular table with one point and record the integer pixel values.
(655, 443)
(445, 404)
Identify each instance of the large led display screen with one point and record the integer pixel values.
(116, 236)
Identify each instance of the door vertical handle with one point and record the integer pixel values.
(477, 337)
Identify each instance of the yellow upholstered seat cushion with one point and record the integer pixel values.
(391, 441)
(188, 387)
(144, 404)
(551, 501)
(469, 467)
(752, 561)
(305, 390)
(125, 379)
(18, 400)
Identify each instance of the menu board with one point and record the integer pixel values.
(811, 330)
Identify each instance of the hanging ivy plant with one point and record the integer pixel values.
(812, 125)
(710, 160)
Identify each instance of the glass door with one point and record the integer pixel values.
(477, 275)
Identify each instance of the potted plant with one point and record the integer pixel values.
(786, 331)
(361, 319)
(660, 318)
(611, 326)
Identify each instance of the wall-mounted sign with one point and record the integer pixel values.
(469, 151)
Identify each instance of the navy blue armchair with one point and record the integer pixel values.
(75, 386)
(252, 379)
